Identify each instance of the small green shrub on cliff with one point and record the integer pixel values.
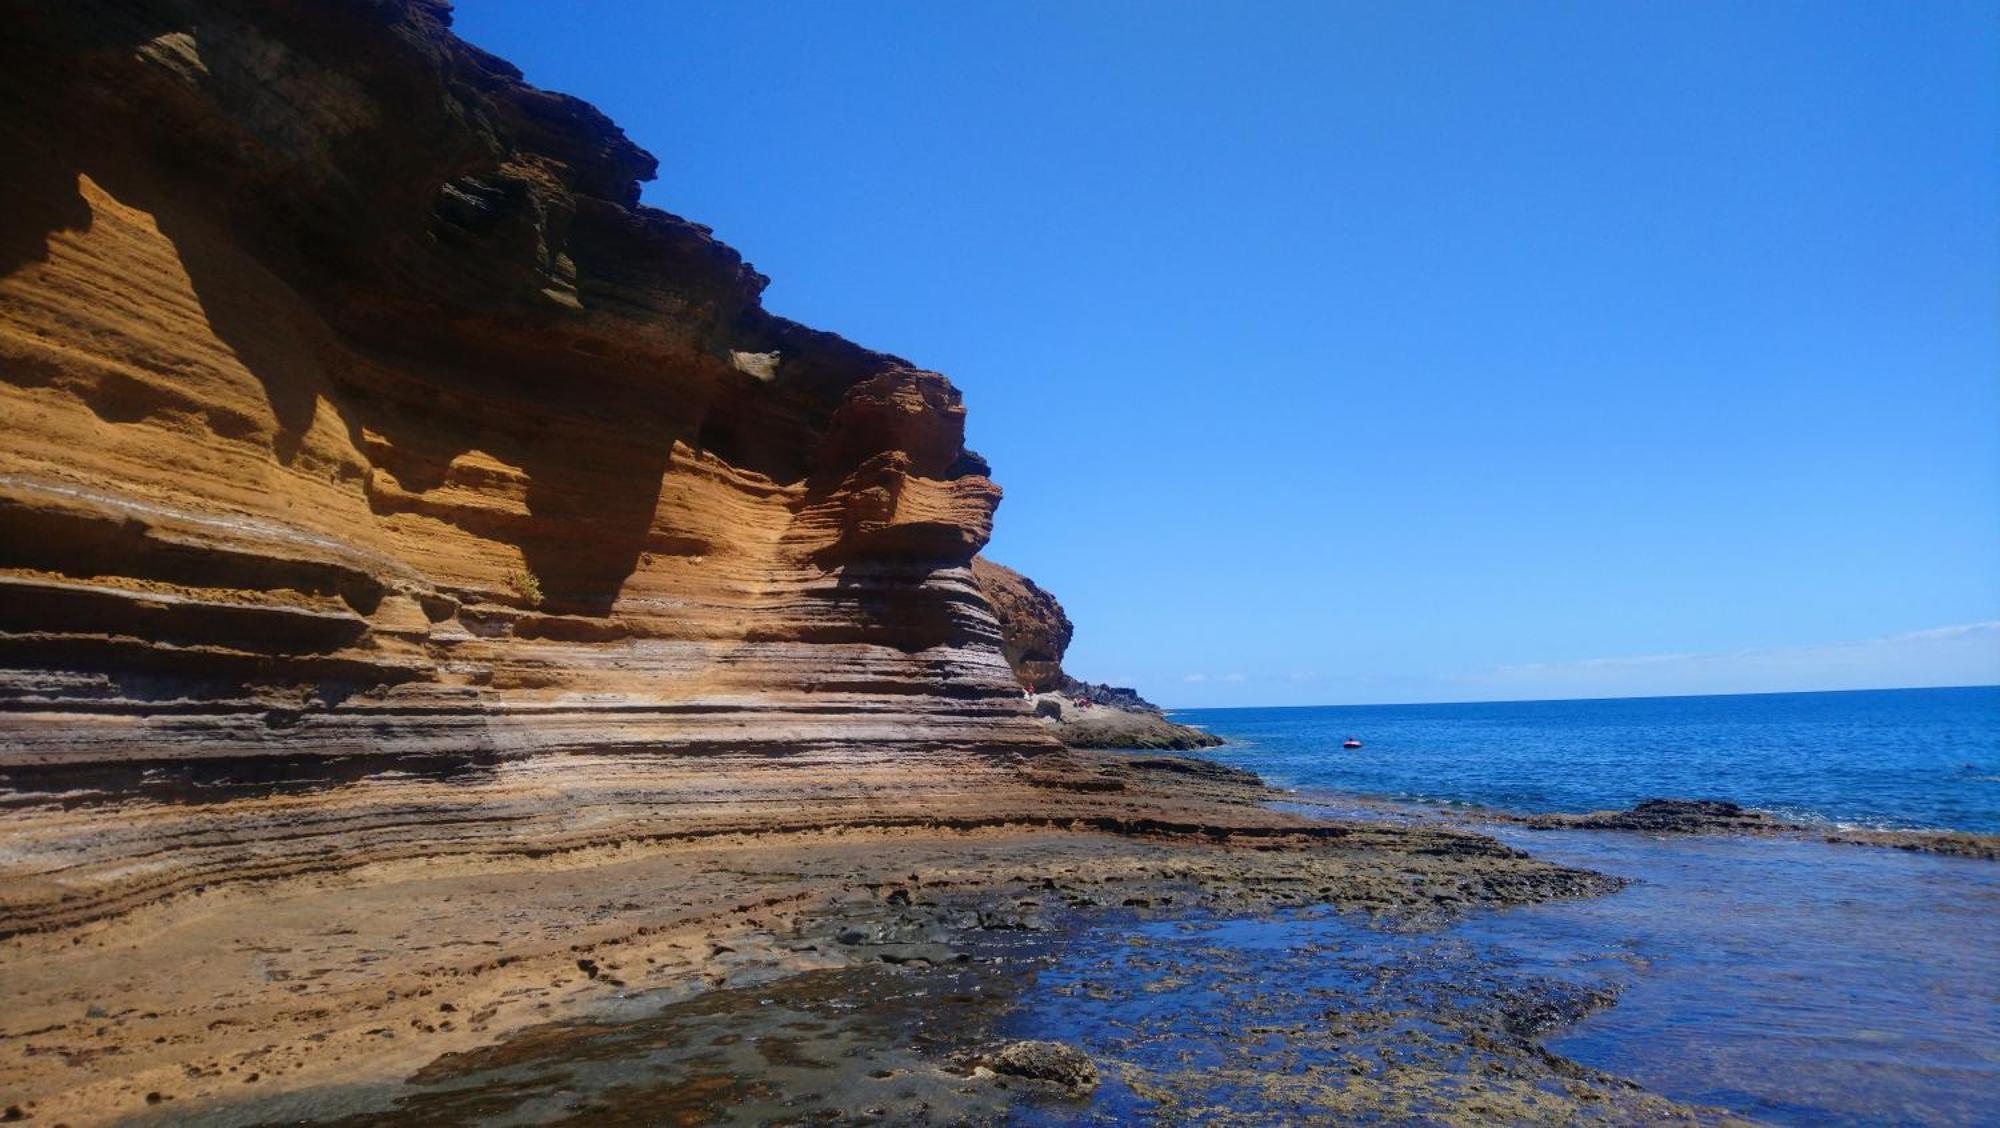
(526, 585)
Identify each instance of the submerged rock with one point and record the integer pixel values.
(1719, 816)
(1669, 816)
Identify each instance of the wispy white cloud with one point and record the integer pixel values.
(1989, 629)
(1963, 654)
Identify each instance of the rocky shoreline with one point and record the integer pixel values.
(1718, 816)
(1081, 722)
(1722, 817)
(1035, 633)
(328, 995)
(908, 1022)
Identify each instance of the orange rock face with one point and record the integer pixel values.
(1035, 631)
(354, 407)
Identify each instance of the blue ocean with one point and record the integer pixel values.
(1905, 758)
(1792, 981)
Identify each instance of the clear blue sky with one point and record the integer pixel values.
(1344, 352)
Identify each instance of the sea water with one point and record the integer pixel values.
(1905, 758)
(1791, 982)
(1794, 981)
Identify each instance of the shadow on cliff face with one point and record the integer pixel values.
(598, 520)
(50, 108)
(591, 503)
(248, 309)
(877, 606)
(593, 461)
(38, 197)
(383, 224)
(67, 127)
(221, 779)
(40, 93)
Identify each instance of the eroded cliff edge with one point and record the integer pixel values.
(362, 426)
(1035, 633)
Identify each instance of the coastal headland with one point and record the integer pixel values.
(440, 607)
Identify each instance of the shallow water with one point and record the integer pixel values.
(1796, 982)
(1793, 982)
(1304, 1017)
(1923, 758)
(1310, 1016)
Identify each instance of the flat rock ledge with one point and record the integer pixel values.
(1719, 816)
(1080, 722)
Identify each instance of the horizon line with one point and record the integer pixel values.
(1557, 700)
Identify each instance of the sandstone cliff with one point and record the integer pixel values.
(1035, 632)
(437, 602)
(361, 426)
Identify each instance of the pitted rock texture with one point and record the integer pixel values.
(1719, 816)
(1035, 632)
(358, 419)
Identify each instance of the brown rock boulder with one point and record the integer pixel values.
(1034, 630)
(1057, 1063)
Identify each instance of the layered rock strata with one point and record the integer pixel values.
(1035, 632)
(361, 426)
(312, 994)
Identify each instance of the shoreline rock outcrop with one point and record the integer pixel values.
(1035, 633)
(1719, 816)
